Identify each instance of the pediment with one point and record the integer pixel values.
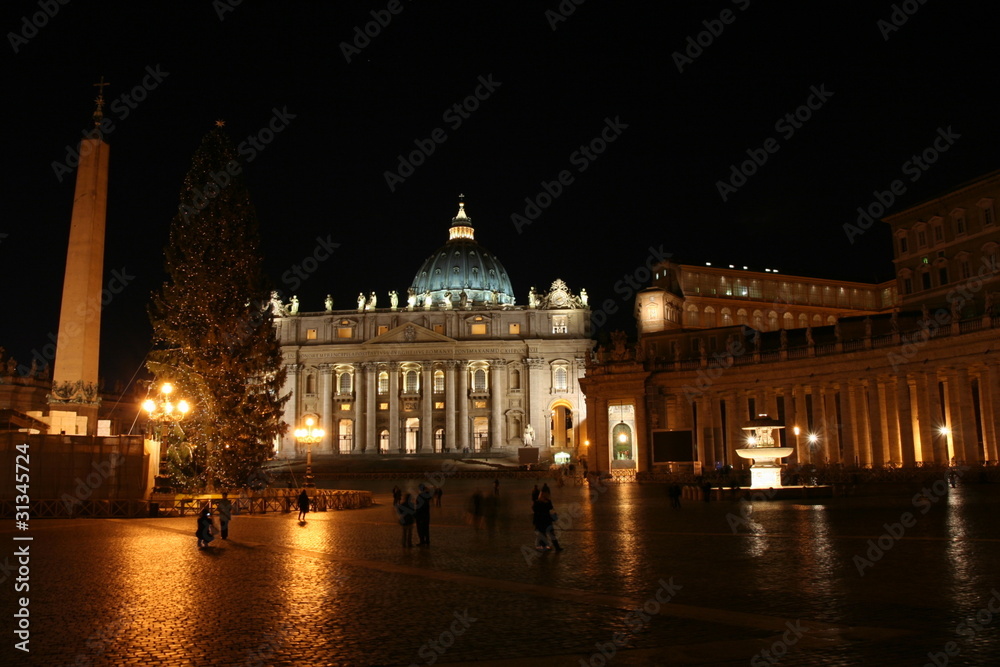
(410, 333)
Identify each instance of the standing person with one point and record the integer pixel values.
(534, 493)
(674, 491)
(397, 494)
(542, 517)
(422, 515)
(437, 496)
(545, 488)
(225, 507)
(405, 512)
(204, 532)
(303, 505)
(496, 486)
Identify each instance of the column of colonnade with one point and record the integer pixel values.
(327, 423)
(451, 396)
(426, 405)
(371, 407)
(498, 387)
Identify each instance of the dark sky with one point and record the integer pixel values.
(323, 174)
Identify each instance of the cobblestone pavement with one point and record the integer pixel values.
(787, 582)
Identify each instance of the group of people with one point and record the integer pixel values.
(206, 527)
(415, 510)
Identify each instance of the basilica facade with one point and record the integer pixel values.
(891, 374)
(454, 365)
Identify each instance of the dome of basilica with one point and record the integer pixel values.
(462, 265)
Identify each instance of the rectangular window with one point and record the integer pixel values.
(345, 332)
(960, 224)
(383, 406)
(907, 285)
(925, 279)
(514, 328)
(310, 334)
(345, 407)
(439, 328)
(479, 404)
(439, 405)
(988, 218)
(938, 234)
(943, 276)
(966, 270)
(382, 329)
(902, 245)
(921, 238)
(478, 329)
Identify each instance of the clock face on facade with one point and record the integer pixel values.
(560, 299)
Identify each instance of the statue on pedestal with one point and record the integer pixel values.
(529, 435)
(293, 306)
(361, 301)
(463, 299)
(411, 298)
(393, 299)
(328, 304)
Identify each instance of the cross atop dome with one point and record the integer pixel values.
(461, 224)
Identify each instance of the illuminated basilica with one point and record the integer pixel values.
(452, 365)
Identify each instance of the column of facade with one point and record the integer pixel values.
(536, 399)
(831, 430)
(904, 410)
(463, 407)
(862, 421)
(326, 391)
(743, 409)
(702, 419)
(450, 405)
(877, 423)
(643, 455)
(803, 445)
(360, 394)
(498, 387)
(600, 449)
(923, 385)
(849, 412)
(394, 426)
(890, 427)
(771, 402)
(963, 414)
(426, 406)
(791, 420)
(990, 379)
(371, 406)
(290, 415)
(718, 437)
(734, 427)
(937, 443)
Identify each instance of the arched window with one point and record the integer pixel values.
(560, 377)
(383, 442)
(772, 321)
(310, 384)
(803, 321)
(758, 320)
(817, 320)
(692, 316)
(709, 316)
(439, 381)
(439, 440)
(727, 317)
(788, 321)
(345, 383)
(741, 316)
(410, 382)
(479, 380)
(383, 382)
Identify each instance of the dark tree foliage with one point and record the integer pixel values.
(212, 327)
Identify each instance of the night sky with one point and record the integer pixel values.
(881, 93)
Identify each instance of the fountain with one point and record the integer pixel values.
(765, 473)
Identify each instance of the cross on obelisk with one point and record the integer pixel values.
(99, 112)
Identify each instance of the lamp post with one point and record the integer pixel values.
(162, 409)
(796, 430)
(309, 436)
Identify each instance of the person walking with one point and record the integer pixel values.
(496, 486)
(204, 531)
(422, 516)
(437, 496)
(404, 512)
(397, 494)
(674, 491)
(543, 517)
(225, 508)
(534, 493)
(303, 505)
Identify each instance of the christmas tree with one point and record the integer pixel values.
(212, 326)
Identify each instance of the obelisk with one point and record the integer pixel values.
(74, 381)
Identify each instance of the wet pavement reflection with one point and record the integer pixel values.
(861, 580)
